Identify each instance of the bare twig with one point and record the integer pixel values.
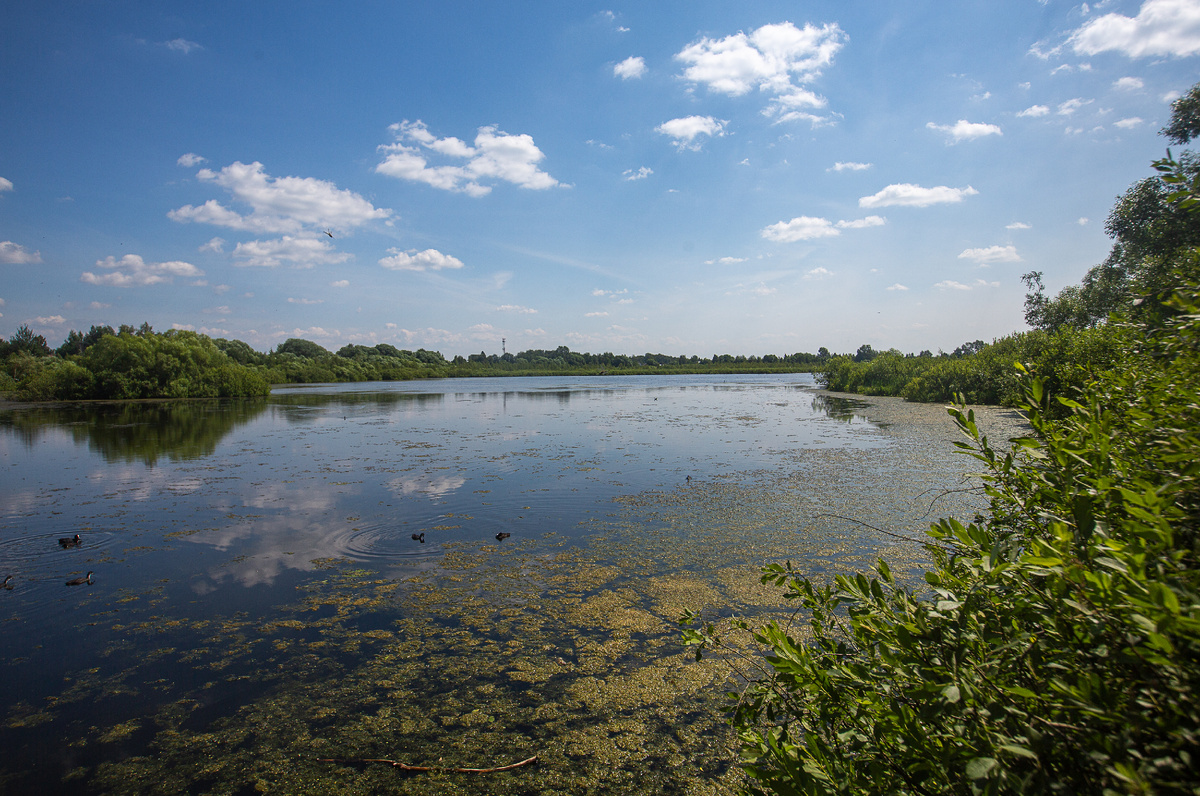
(425, 769)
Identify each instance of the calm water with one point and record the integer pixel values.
(246, 555)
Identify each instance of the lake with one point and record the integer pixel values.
(454, 573)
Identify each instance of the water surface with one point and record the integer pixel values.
(259, 601)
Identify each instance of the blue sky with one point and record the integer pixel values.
(675, 177)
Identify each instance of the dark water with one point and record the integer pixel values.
(244, 553)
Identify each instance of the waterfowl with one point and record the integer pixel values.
(419, 537)
(70, 541)
(80, 581)
(500, 537)
(6, 584)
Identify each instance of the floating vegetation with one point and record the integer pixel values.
(562, 646)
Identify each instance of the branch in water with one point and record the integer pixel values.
(425, 769)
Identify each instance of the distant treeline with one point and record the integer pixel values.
(137, 362)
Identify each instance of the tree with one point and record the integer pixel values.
(865, 353)
(25, 340)
(302, 348)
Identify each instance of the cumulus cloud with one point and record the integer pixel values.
(1128, 124)
(190, 159)
(595, 315)
(413, 260)
(516, 308)
(305, 301)
(897, 286)
(800, 228)
(641, 174)
(5, 185)
(950, 284)
(16, 254)
(340, 283)
(909, 195)
(777, 59)
(496, 155)
(132, 271)
(1129, 84)
(1034, 111)
(849, 166)
(862, 223)
(1070, 106)
(50, 320)
(216, 245)
(962, 130)
(632, 67)
(991, 254)
(726, 261)
(817, 273)
(1018, 225)
(808, 228)
(1161, 27)
(279, 204)
(302, 252)
(686, 130)
(182, 46)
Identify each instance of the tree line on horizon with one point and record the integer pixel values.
(136, 362)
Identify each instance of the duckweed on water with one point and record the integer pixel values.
(495, 654)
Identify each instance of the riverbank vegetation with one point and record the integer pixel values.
(1055, 646)
(107, 363)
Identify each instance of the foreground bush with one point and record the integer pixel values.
(1056, 647)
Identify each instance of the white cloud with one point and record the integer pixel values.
(495, 155)
(5, 185)
(131, 270)
(1034, 111)
(50, 320)
(1129, 84)
(609, 293)
(818, 273)
(1128, 124)
(305, 301)
(216, 245)
(182, 46)
(99, 305)
(16, 254)
(640, 174)
(909, 195)
(862, 223)
(685, 130)
(595, 315)
(516, 308)
(897, 286)
(1070, 106)
(190, 159)
(991, 254)
(800, 228)
(962, 130)
(1018, 225)
(632, 67)
(413, 260)
(726, 261)
(777, 59)
(279, 204)
(1161, 27)
(950, 284)
(1083, 221)
(340, 283)
(302, 252)
(849, 166)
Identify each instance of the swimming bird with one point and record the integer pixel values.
(70, 541)
(500, 537)
(80, 581)
(6, 584)
(419, 537)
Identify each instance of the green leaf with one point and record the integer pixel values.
(1016, 750)
(980, 767)
(951, 694)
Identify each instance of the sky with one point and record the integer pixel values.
(672, 177)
